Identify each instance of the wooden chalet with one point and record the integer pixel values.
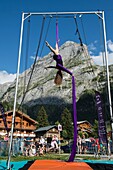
(84, 126)
(47, 131)
(24, 125)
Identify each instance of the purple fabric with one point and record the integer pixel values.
(64, 69)
(101, 123)
(58, 59)
(73, 152)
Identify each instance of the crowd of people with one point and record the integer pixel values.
(41, 146)
(30, 146)
(94, 146)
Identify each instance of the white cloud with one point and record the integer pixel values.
(6, 77)
(99, 59)
(110, 45)
(91, 47)
(33, 57)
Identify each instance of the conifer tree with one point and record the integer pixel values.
(42, 118)
(67, 125)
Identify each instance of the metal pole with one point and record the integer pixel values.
(63, 13)
(14, 108)
(107, 70)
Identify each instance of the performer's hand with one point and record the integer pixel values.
(47, 44)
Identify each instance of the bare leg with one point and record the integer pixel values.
(55, 51)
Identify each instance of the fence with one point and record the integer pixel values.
(19, 147)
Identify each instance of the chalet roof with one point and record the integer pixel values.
(84, 121)
(46, 128)
(23, 114)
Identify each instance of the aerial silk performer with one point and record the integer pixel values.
(3, 116)
(58, 81)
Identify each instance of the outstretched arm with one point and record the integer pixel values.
(51, 67)
(55, 51)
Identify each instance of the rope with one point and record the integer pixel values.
(77, 32)
(87, 50)
(45, 36)
(43, 21)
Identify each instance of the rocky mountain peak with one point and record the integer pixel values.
(42, 89)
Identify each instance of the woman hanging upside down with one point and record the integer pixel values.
(59, 64)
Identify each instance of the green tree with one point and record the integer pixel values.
(67, 125)
(95, 129)
(42, 118)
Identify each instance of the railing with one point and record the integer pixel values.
(20, 145)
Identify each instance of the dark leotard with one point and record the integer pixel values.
(59, 64)
(58, 59)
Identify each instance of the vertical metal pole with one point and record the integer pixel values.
(107, 69)
(14, 108)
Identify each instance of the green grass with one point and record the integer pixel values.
(63, 157)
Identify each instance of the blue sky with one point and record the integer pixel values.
(89, 26)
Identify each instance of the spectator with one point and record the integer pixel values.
(109, 147)
(83, 144)
(49, 139)
(33, 150)
(42, 141)
(37, 145)
(6, 138)
(41, 151)
(79, 142)
(97, 147)
(54, 143)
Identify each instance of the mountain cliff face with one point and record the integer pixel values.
(3, 88)
(42, 89)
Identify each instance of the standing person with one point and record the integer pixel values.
(49, 139)
(109, 147)
(79, 142)
(96, 144)
(42, 141)
(54, 143)
(59, 64)
(83, 144)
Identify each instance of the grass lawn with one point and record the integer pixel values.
(52, 156)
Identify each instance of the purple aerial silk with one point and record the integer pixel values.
(73, 152)
(3, 116)
(60, 67)
(64, 69)
(101, 123)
